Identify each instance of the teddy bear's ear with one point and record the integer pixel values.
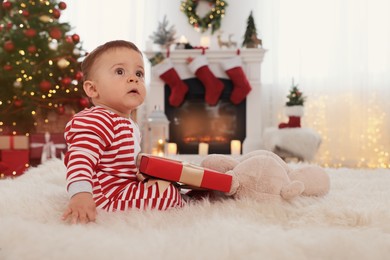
(219, 162)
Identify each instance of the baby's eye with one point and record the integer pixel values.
(140, 74)
(120, 71)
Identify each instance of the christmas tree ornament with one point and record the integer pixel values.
(53, 45)
(61, 110)
(169, 75)
(69, 39)
(45, 18)
(62, 5)
(9, 46)
(78, 76)
(7, 67)
(18, 103)
(30, 32)
(56, 13)
(241, 86)
(45, 85)
(63, 63)
(7, 5)
(26, 13)
(66, 81)
(32, 49)
(55, 33)
(17, 84)
(294, 108)
(76, 38)
(84, 102)
(213, 86)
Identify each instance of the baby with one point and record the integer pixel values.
(103, 141)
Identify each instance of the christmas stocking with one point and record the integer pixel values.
(213, 86)
(294, 114)
(169, 75)
(241, 86)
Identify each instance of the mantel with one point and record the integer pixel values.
(251, 64)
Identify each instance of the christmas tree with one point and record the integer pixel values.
(295, 97)
(250, 36)
(39, 64)
(164, 36)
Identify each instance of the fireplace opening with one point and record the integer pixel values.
(195, 121)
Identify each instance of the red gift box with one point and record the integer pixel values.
(14, 162)
(182, 172)
(47, 145)
(14, 155)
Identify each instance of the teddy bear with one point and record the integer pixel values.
(263, 175)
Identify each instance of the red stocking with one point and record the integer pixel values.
(213, 86)
(168, 74)
(294, 114)
(241, 86)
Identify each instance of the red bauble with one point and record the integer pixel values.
(69, 39)
(30, 32)
(7, 67)
(84, 102)
(7, 5)
(32, 49)
(45, 85)
(62, 5)
(25, 13)
(9, 25)
(78, 76)
(55, 33)
(56, 13)
(18, 103)
(61, 110)
(76, 38)
(9, 46)
(66, 81)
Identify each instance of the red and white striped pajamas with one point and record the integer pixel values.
(102, 149)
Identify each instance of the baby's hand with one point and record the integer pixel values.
(81, 209)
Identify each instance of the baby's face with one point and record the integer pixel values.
(118, 76)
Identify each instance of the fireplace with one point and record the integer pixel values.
(196, 122)
(247, 117)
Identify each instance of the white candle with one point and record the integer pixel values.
(172, 149)
(235, 147)
(205, 41)
(203, 148)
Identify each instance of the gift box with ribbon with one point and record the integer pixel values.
(192, 176)
(46, 146)
(14, 155)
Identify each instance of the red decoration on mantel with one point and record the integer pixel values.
(213, 86)
(241, 86)
(169, 75)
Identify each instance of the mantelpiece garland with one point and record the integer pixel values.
(211, 19)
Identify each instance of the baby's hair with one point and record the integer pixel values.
(92, 56)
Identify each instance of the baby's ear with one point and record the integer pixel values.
(90, 89)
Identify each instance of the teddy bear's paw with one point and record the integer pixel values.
(292, 190)
(219, 162)
(235, 184)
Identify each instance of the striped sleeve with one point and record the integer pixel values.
(87, 136)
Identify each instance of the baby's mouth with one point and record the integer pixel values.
(133, 91)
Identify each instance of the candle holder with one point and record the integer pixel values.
(158, 126)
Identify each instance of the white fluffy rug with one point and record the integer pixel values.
(351, 222)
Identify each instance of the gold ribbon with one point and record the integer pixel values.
(161, 184)
(191, 174)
